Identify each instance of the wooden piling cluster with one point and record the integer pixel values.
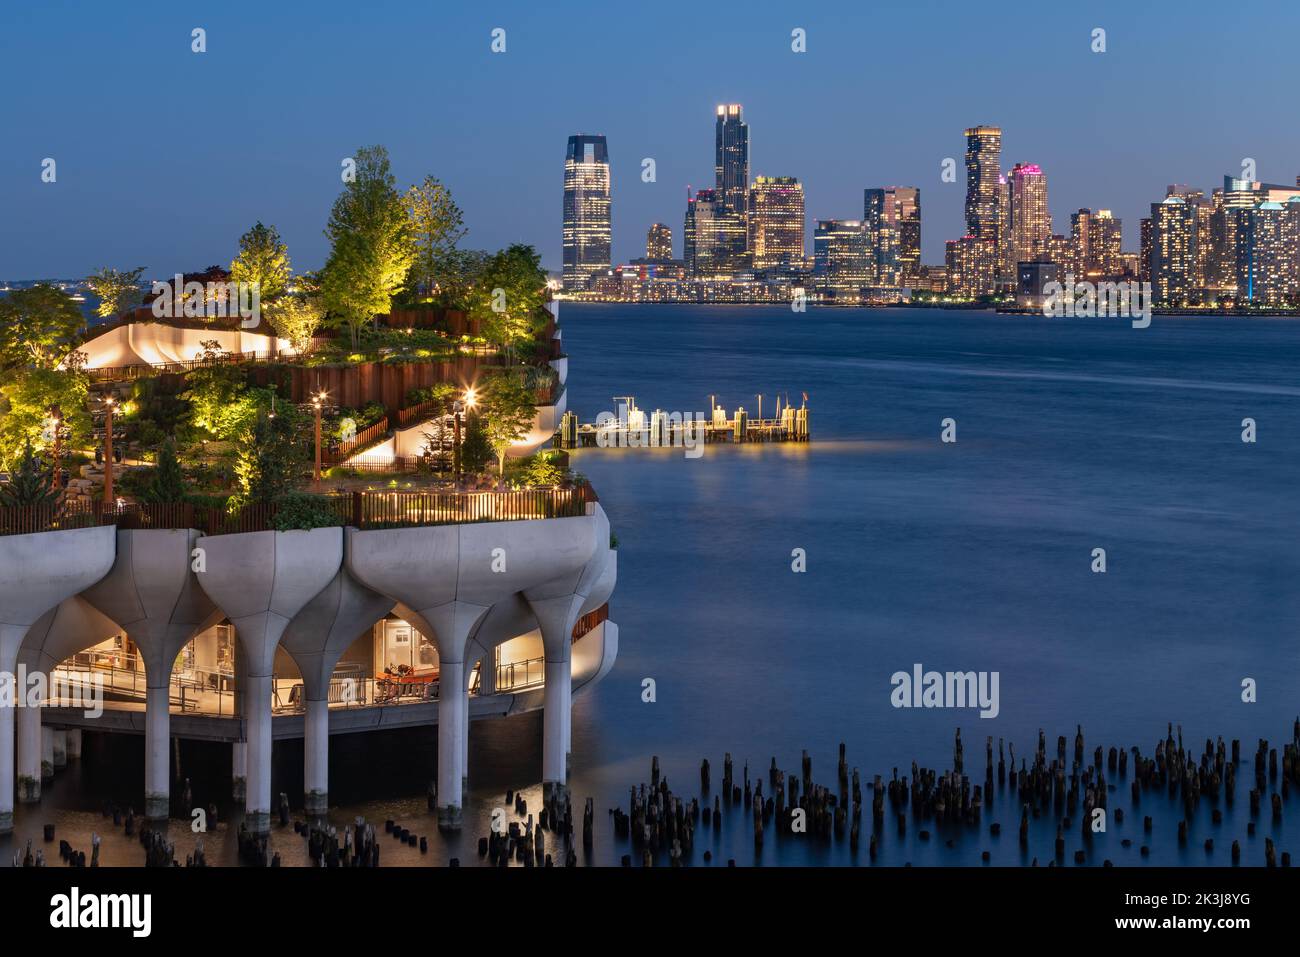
(358, 847)
(1072, 786)
(525, 843)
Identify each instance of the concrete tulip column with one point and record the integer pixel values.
(261, 580)
(557, 605)
(317, 638)
(57, 635)
(153, 594)
(448, 577)
(37, 571)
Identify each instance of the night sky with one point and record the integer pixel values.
(165, 156)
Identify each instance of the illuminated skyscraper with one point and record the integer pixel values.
(983, 160)
(970, 265)
(714, 237)
(1268, 271)
(731, 162)
(1030, 223)
(659, 243)
(776, 222)
(1174, 250)
(842, 259)
(896, 210)
(1105, 245)
(587, 231)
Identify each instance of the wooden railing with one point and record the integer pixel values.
(142, 370)
(413, 413)
(590, 620)
(367, 510)
(366, 437)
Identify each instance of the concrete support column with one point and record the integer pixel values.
(47, 752)
(38, 571)
(74, 744)
(29, 754)
(11, 637)
(558, 697)
(238, 771)
(316, 756)
(487, 675)
(60, 748)
(257, 803)
(453, 725)
(157, 753)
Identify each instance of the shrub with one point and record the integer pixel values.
(302, 511)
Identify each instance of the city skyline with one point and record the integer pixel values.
(115, 186)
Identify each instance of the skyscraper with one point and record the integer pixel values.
(1030, 223)
(714, 237)
(731, 158)
(587, 230)
(970, 265)
(1105, 245)
(898, 210)
(842, 263)
(776, 222)
(1174, 250)
(659, 243)
(983, 160)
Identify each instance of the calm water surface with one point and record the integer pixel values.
(1072, 435)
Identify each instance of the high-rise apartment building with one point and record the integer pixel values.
(971, 265)
(892, 216)
(659, 243)
(1029, 223)
(983, 161)
(776, 222)
(587, 232)
(1175, 250)
(842, 258)
(713, 237)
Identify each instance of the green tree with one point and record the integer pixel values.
(456, 275)
(37, 326)
(264, 260)
(117, 290)
(372, 244)
(475, 448)
(273, 460)
(438, 225)
(508, 295)
(28, 395)
(167, 484)
(508, 412)
(295, 318)
(30, 484)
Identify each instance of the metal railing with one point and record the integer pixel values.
(518, 675)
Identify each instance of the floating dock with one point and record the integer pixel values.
(632, 427)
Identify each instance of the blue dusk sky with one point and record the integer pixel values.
(165, 156)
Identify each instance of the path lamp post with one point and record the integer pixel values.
(109, 403)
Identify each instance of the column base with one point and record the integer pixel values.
(449, 817)
(157, 807)
(6, 822)
(553, 790)
(74, 744)
(29, 790)
(316, 802)
(238, 789)
(47, 770)
(258, 822)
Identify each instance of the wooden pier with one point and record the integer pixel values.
(631, 427)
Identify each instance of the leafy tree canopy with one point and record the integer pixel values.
(37, 326)
(118, 290)
(264, 260)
